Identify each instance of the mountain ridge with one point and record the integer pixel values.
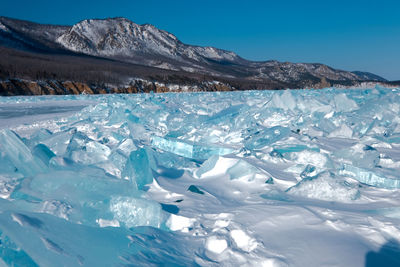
(122, 40)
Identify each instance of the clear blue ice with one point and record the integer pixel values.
(77, 192)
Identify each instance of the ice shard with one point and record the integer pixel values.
(134, 212)
(137, 168)
(189, 149)
(343, 103)
(370, 177)
(43, 153)
(19, 154)
(260, 139)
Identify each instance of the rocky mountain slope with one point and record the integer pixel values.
(121, 43)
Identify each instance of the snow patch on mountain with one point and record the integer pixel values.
(120, 36)
(4, 28)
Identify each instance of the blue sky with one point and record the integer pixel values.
(349, 35)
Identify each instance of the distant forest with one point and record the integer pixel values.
(18, 64)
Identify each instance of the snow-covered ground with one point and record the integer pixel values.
(256, 178)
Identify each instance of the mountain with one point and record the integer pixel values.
(122, 44)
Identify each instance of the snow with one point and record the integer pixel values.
(254, 178)
(216, 245)
(24, 111)
(4, 28)
(179, 223)
(243, 241)
(214, 53)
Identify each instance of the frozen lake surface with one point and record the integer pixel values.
(255, 178)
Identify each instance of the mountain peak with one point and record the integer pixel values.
(113, 20)
(121, 37)
(116, 36)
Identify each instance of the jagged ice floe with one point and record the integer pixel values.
(255, 178)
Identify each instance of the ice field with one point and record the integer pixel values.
(254, 178)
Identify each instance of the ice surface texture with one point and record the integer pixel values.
(237, 178)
